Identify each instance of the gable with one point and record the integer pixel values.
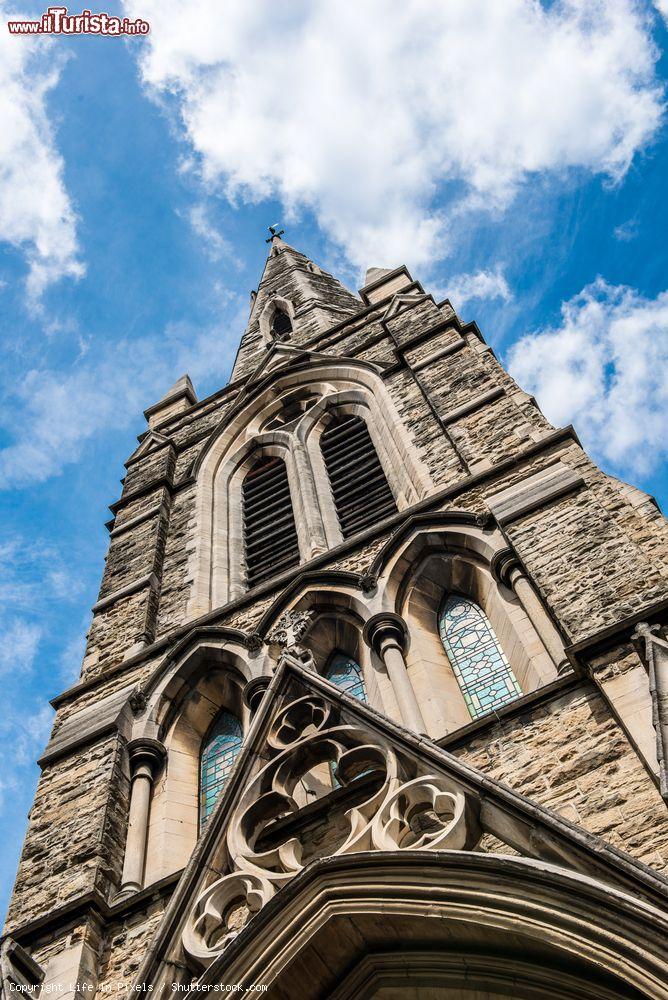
(393, 792)
(151, 442)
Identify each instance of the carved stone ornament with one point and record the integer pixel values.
(137, 701)
(381, 801)
(291, 628)
(253, 642)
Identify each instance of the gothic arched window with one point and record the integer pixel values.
(281, 326)
(483, 673)
(219, 750)
(343, 671)
(270, 534)
(362, 495)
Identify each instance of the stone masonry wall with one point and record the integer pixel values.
(76, 836)
(571, 756)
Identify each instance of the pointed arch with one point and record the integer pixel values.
(430, 557)
(280, 307)
(490, 925)
(480, 666)
(219, 751)
(357, 387)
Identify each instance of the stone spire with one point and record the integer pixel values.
(313, 300)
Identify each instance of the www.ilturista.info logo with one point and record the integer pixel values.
(56, 21)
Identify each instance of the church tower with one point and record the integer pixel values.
(375, 696)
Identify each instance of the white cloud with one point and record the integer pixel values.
(23, 735)
(627, 231)
(662, 7)
(371, 114)
(54, 413)
(482, 285)
(18, 646)
(604, 368)
(35, 211)
(215, 244)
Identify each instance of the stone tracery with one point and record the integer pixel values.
(386, 805)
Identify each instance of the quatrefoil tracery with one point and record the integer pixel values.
(399, 810)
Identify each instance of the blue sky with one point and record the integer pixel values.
(515, 156)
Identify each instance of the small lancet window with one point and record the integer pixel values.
(281, 326)
(219, 751)
(483, 673)
(361, 493)
(270, 534)
(343, 671)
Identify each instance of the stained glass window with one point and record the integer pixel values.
(343, 671)
(480, 665)
(219, 750)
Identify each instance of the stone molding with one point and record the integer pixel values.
(497, 975)
(536, 491)
(150, 580)
(90, 724)
(385, 627)
(444, 352)
(19, 972)
(473, 404)
(160, 510)
(255, 690)
(655, 655)
(301, 584)
(144, 753)
(588, 925)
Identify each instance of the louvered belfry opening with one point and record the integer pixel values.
(270, 534)
(362, 495)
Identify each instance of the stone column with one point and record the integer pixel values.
(146, 759)
(314, 535)
(510, 572)
(254, 692)
(386, 634)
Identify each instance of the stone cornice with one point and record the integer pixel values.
(542, 695)
(473, 404)
(93, 902)
(613, 635)
(150, 580)
(157, 511)
(444, 352)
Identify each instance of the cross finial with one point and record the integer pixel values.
(275, 233)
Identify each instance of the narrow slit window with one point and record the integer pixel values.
(270, 534)
(219, 751)
(483, 673)
(343, 671)
(362, 495)
(281, 326)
